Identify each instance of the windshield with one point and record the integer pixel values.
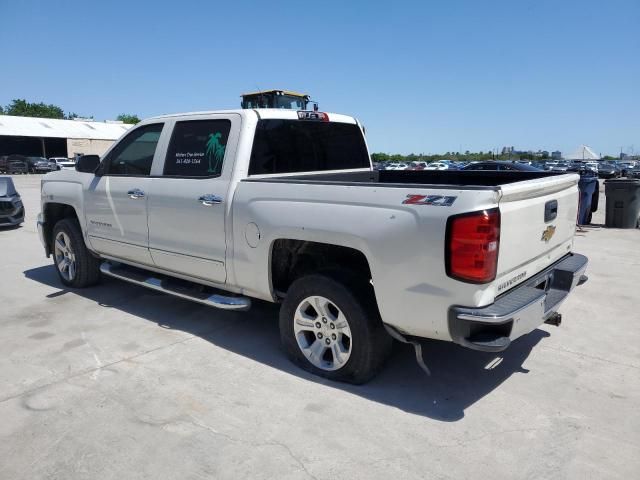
(269, 100)
(290, 102)
(7, 189)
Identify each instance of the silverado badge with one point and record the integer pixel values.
(548, 233)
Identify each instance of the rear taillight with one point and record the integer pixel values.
(472, 246)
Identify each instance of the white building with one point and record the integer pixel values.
(583, 152)
(47, 137)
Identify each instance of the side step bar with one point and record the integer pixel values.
(160, 283)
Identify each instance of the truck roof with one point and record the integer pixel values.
(263, 113)
(285, 92)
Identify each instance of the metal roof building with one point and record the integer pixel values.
(48, 137)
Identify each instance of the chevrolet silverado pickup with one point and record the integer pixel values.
(283, 206)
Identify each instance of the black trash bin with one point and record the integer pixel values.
(587, 185)
(623, 203)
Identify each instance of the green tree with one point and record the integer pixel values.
(128, 118)
(1, 110)
(72, 115)
(379, 157)
(22, 108)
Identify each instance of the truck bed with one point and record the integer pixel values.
(405, 242)
(465, 179)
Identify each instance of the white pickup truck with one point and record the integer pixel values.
(283, 206)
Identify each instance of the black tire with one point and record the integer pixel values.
(87, 267)
(370, 343)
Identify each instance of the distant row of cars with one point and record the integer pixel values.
(604, 169)
(451, 165)
(20, 164)
(420, 165)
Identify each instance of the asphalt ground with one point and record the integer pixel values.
(119, 382)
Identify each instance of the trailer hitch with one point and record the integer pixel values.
(555, 319)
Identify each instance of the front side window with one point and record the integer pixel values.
(134, 154)
(197, 148)
(287, 146)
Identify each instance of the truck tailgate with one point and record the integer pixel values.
(538, 221)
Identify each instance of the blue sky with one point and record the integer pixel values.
(423, 76)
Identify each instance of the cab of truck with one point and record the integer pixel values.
(275, 99)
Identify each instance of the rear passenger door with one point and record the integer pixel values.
(189, 197)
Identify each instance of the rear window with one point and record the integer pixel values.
(288, 146)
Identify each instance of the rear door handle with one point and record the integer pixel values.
(210, 199)
(135, 193)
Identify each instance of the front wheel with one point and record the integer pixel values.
(330, 326)
(76, 266)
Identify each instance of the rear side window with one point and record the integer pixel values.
(134, 154)
(197, 148)
(287, 146)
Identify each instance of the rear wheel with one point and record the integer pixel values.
(75, 265)
(330, 326)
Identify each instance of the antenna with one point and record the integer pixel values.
(260, 97)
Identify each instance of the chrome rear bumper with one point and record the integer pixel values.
(518, 311)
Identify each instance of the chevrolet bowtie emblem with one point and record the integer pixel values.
(548, 233)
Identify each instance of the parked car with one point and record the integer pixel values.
(40, 164)
(592, 165)
(283, 206)
(397, 166)
(56, 162)
(501, 165)
(18, 167)
(11, 207)
(561, 167)
(67, 163)
(13, 164)
(633, 172)
(625, 167)
(608, 170)
(418, 165)
(437, 166)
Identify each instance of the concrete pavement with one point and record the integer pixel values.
(120, 382)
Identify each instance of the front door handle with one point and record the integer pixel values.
(135, 193)
(210, 199)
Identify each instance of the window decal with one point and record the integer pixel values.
(215, 151)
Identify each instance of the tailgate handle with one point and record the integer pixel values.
(550, 210)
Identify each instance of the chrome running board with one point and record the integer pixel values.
(187, 290)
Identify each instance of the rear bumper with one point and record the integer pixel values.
(520, 310)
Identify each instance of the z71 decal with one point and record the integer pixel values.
(435, 200)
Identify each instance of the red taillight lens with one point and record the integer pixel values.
(472, 246)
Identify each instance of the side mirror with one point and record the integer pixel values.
(87, 163)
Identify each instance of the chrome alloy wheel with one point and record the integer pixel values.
(65, 258)
(322, 332)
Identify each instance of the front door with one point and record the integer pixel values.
(116, 200)
(188, 198)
